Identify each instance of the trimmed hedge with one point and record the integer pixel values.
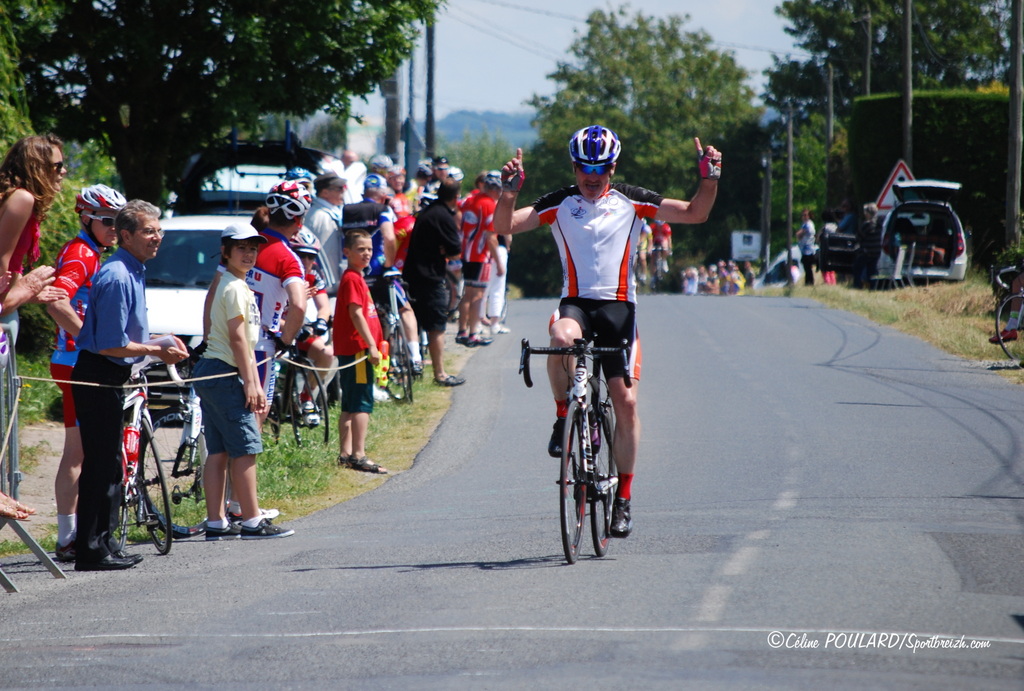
(958, 135)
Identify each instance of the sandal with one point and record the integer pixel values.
(365, 465)
(344, 461)
(450, 380)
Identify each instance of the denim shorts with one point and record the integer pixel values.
(228, 425)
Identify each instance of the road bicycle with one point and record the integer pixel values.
(145, 499)
(1009, 302)
(300, 400)
(587, 472)
(400, 370)
(658, 264)
(184, 451)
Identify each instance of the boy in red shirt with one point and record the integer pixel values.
(356, 335)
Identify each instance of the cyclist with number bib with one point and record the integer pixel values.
(596, 225)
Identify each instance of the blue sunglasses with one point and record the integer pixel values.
(594, 170)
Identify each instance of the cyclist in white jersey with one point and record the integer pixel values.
(596, 225)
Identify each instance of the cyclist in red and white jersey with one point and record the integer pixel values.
(596, 225)
(478, 242)
(278, 279)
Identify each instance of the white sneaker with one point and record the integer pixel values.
(380, 395)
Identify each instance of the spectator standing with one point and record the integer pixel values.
(231, 396)
(78, 262)
(435, 239)
(828, 227)
(479, 244)
(113, 339)
(869, 247)
(805, 237)
(325, 217)
(31, 176)
(354, 173)
(357, 334)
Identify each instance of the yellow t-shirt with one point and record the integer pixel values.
(232, 299)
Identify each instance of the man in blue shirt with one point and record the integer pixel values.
(113, 340)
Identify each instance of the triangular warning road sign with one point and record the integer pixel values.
(900, 173)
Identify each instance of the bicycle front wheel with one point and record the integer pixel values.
(305, 400)
(400, 374)
(1013, 347)
(606, 477)
(154, 509)
(571, 484)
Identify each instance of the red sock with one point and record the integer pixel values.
(561, 408)
(625, 486)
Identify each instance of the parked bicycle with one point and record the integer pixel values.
(400, 370)
(145, 499)
(299, 385)
(587, 472)
(1008, 312)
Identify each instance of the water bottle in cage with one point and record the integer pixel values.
(131, 450)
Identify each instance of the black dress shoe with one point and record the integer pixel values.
(108, 563)
(134, 558)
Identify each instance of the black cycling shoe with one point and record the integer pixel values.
(557, 432)
(622, 522)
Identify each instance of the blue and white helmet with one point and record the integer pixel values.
(594, 146)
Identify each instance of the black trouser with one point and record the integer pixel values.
(100, 414)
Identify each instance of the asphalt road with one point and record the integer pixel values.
(820, 503)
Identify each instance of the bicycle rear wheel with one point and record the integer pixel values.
(308, 425)
(1014, 348)
(571, 485)
(400, 374)
(179, 459)
(154, 508)
(606, 478)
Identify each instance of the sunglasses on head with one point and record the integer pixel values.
(108, 221)
(593, 170)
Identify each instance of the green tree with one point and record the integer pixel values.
(476, 153)
(657, 85)
(156, 80)
(956, 44)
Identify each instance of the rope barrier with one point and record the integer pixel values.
(180, 382)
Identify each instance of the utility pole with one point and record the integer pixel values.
(429, 126)
(1013, 182)
(829, 127)
(908, 84)
(392, 114)
(766, 208)
(789, 198)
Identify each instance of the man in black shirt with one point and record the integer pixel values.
(435, 239)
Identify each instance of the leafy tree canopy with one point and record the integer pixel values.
(156, 80)
(955, 44)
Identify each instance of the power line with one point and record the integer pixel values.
(525, 44)
(547, 13)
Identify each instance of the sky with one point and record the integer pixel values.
(496, 54)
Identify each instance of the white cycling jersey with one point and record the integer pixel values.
(597, 240)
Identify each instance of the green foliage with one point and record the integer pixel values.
(657, 86)
(956, 43)
(13, 109)
(476, 153)
(154, 81)
(947, 125)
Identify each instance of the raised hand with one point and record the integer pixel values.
(513, 173)
(709, 162)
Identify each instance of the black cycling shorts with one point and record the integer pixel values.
(607, 323)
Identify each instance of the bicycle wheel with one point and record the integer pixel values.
(400, 374)
(571, 485)
(309, 422)
(605, 478)
(1014, 348)
(154, 506)
(179, 459)
(120, 535)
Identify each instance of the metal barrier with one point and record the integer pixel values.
(10, 475)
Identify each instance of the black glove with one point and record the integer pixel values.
(195, 353)
(320, 327)
(304, 333)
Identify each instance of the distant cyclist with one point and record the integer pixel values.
(596, 225)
